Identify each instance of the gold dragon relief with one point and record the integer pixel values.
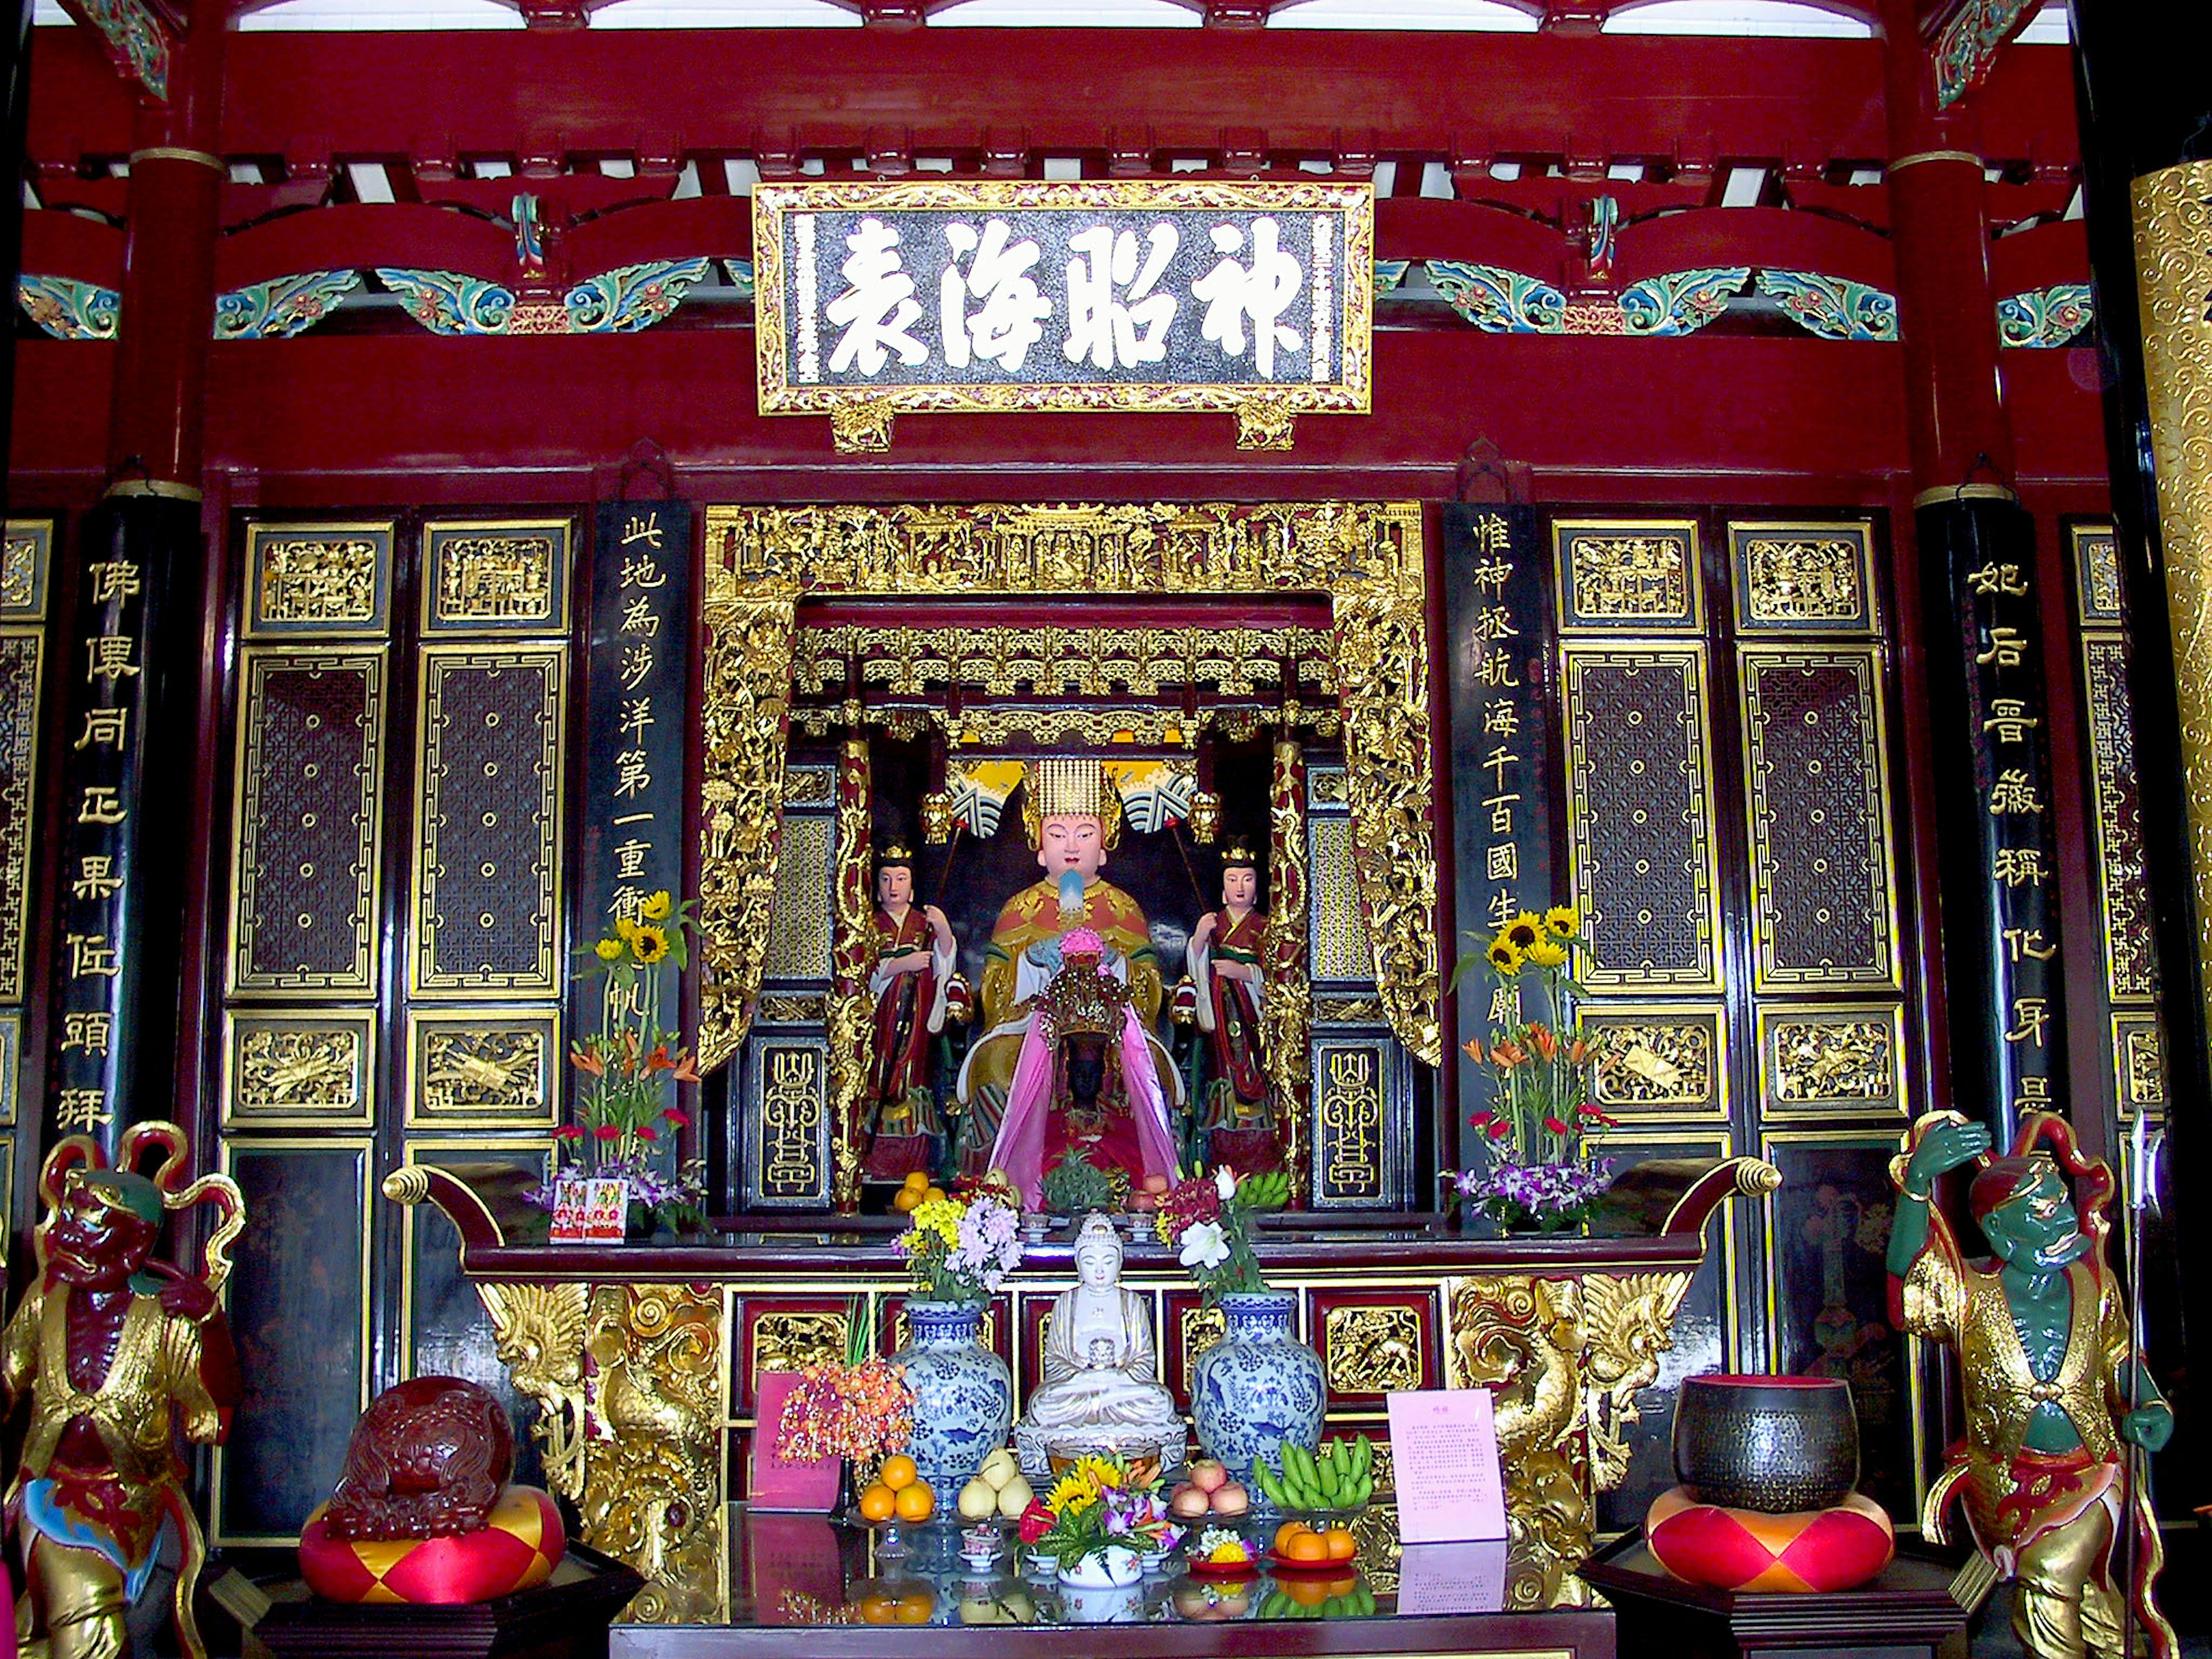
(538, 1333)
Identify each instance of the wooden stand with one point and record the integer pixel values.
(565, 1617)
(1906, 1611)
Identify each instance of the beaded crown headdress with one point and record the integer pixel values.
(896, 852)
(1081, 1001)
(1062, 784)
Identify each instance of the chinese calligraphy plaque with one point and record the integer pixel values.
(885, 297)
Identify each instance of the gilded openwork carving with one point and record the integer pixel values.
(494, 1068)
(299, 1070)
(1651, 1063)
(2124, 894)
(1833, 1059)
(798, 930)
(1373, 1350)
(792, 1341)
(1365, 558)
(317, 579)
(1635, 575)
(503, 577)
(26, 561)
(1804, 578)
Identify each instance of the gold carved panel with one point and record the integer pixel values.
(2097, 574)
(787, 1123)
(1803, 578)
(2124, 907)
(1640, 816)
(799, 923)
(791, 1341)
(2139, 1063)
(488, 1068)
(1629, 574)
(1357, 1153)
(509, 577)
(809, 786)
(308, 815)
(1824, 896)
(317, 579)
(1831, 1059)
(299, 1070)
(1373, 1349)
(1659, 1062)
(22, 657)
(488, 762)
(1201, 1329)
(25, 568)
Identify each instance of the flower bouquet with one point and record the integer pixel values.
(959, 1249)
(855, 1408)
(1206, 1218)
(1098, 1523)
(627, 1120)
(1538, 1175)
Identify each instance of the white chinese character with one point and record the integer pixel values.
(1104, 328)
(1262, 291)
(1007, 327)
(878, 306)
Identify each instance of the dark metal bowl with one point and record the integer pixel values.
(1778, 1444)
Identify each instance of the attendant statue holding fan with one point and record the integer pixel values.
(917, 992)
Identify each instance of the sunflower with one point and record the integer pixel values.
(1503, 957)
(1563, 921)
(650, 943)
(1547, 954)
(657, 908)
(1524, 929)
(1107, 1476)
(608, 950)
(1072, 1494)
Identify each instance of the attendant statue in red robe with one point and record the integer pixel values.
(916, 992)
(117, 1353)
(1233, 1106)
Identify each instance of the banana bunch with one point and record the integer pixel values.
(1341, 1478)
(1269, 1190)
(1356, 1603)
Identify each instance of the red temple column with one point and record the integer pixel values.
(2003, 984)
(135, 753)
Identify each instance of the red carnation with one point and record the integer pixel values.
(1483, 1119)
(1555, 1125)
(1036, 1522)
(1499, 1130)
(674, 1118)
(570, 1131)
(646, 1131)
(607, 1132)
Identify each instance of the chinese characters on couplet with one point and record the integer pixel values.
(1505, 737)
(100, 792)
(634, 769)
(2022, 873)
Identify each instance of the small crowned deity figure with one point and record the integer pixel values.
(117, 1353)
(917, 994)
(2053, 1389)
(1101, 1391)
(1073, 820)
(1229, 993)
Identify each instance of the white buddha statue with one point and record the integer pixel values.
(1101, 1391)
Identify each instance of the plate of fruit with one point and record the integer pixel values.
(1298, 1547)
(1219, 1552)
(998, 1490)
(1206, 1491)
(1338, 1481)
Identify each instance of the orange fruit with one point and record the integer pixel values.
(878, 1609)
(878, 1503)
(935, 1194)
(915, 1502)
(1306, 1548)
(1342, 1545)
(898, 1471)
(1286, 1532)
(917, 1179)
(904, 1200)
(1306, 1592)
(916, 1606)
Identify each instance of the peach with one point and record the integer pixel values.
(1208, 1473)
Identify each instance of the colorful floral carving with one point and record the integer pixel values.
(1833, 307)
(136, 37)
(447, 303)
(1498, 300)
(69, 309)
(631, 297)
(1969, 41)
(2053, 316)
(283, 307)
(1681, 301)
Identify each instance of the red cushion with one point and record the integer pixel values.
(516, 1549)
(1832, 1549)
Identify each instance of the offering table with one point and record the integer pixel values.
(644, 1359)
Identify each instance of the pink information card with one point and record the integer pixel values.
(1444, 1460)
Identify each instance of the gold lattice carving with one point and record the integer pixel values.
(1640, 576)
(1372, 1349)
(2174, 274)
(502, 1071)
(1823, 1059)
(1367, 558)
(23, 553)
(1643, 1064)
(778, 1010)
(1805, 578)
(2124, 894)
(298, 1068)
(1288, 1010)
(1093, 662)
(327, 579)
(1340, 950)
(799, 924)
(508, 578)
(792, 1341)
(852, 954)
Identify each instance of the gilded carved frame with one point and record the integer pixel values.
(1366, 558)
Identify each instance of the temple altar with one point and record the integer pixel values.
(656, 1436)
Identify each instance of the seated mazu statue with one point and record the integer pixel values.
(1072, 919)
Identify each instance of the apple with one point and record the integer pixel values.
(1154, 1184)
(1208, 1473)
(1231, 1499)
(1187, 1503)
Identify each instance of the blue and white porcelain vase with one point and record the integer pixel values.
(963, 1395)
(1259, 1386)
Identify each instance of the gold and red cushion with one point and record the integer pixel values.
(1812, 1550)
(516, 1549)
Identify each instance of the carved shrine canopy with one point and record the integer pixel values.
(1357, 566)
(1131, 294)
